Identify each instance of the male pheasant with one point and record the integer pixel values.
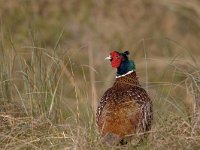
(125, 110)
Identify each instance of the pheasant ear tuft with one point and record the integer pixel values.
(126, 52)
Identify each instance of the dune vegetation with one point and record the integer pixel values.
(53, 72)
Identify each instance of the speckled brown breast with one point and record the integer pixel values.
(124, 109)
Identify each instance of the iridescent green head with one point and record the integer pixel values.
(121, 62)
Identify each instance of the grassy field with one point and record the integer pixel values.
(53, 72)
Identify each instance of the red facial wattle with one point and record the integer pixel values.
(116, 59)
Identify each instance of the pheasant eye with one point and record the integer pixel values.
(117, 56)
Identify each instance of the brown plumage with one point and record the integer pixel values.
(125, 110)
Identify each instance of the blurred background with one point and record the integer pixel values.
(105, 25)
(53, 72)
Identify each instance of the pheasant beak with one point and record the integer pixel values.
(108, 58)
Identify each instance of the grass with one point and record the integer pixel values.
(47, 104)
(53, 73)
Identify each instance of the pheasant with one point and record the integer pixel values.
(125, 110)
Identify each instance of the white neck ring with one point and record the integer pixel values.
(129, 72)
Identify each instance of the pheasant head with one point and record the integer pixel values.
(121, 62)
